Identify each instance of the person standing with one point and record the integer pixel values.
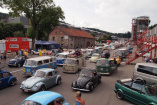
(79, 99)
(4, 56)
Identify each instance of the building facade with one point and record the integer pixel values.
(70, 37)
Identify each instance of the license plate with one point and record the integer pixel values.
(25, 90)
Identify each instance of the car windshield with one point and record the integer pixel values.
(103, 62)
(70, 61)
(28, 102)
(122, 51)
(85, 73)
(114, 56)
(151, 89)
(39, 74)
(18, 57)
(30, 63)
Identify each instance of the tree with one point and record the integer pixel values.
(34, 10)
(18, 34)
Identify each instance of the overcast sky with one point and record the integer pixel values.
(108, 15)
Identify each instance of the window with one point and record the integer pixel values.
(51, 60)
(46, 61)
(128, 84)
(49, 74)
(57, 101)
(137, 87)
(40, 63)
(154, 71)
(61, 38)
(53, 39)
(5, 75)
(145, 69)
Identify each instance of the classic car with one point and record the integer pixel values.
(45, 98)
(60, 57)
(17, 61)
(35, 52)
(105, 66)
(124, 52)
(42, 79)
(136, 91)
(94, 57)
(118, 59)
(87, 80)
(6, 78)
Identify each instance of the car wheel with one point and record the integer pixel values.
(12, 82)
(91, 88)
(59, 81)
(119, 95)
(19, 65)
(42, 88)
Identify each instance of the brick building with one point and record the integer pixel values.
(70, 37)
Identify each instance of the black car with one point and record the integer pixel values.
(17, 61)
(87, 80)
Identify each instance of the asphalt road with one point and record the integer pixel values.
(103, 94)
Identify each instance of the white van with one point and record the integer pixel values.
(146, 72)
(73, 65)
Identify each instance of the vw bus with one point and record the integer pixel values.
(60, 57)
(73, 65)
(33, 64)
(105, 66)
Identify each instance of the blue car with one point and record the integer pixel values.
(6, 79)
(60, 57)
(45, 98)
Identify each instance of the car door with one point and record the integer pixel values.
(50, 79)
(138, 94)
(5, 78)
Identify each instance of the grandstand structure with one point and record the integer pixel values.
(144, 39)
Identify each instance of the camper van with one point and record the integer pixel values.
(73, 64)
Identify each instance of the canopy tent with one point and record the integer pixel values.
(48, 45)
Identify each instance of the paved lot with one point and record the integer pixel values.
(103, 94)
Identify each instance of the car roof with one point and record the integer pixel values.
(39, 58)
(147, 64)
(44, 97)
(46, 69)
(96, 54)
(1, 71)
(64, 53)
(104, 59)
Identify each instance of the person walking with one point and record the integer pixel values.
(79, 99)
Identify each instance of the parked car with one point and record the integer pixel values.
(146, 72)
(136, 91)
(94, 57)
(17, 61)
(45, 98)
(42, 79)
(6, 78)
(105, 66)
(34, 52)
(87, 80)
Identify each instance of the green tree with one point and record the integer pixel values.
(34, 10)
(8, 30)
(18, 34)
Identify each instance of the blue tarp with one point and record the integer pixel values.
(47, 44)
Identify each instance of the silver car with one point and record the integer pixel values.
(42, 79)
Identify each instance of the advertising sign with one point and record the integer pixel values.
(13, 39)
(13, 46)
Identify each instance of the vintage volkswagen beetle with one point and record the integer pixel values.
(45, 98)
(94, 57)
(17, 61)
(136, 91)
(87, 80)
(6, 78)
(105, 66)
(42, 79)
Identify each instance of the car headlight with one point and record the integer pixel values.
(74, 83)
(87, 86)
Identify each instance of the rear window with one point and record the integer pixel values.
(145, 69)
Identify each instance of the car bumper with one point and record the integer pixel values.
(105, 73)
(12, 64)
(28, 90)
(80, 89)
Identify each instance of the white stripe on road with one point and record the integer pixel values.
(16, 71)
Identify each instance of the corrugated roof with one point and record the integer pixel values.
(73, 32)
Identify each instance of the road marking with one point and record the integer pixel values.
(16, 71)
